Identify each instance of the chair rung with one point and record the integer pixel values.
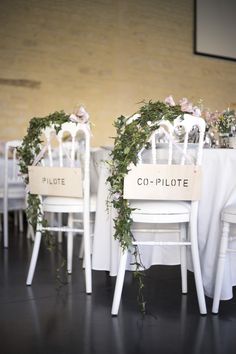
(162, 231)
(161, 243)
(62, 229)
(231, 250)
(232, 238)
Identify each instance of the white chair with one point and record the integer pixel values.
(12, 193)
(170, 212)
(228, 216)
(74, 157)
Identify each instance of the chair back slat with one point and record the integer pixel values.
(173, 143)
(68, 147)
(11, 171)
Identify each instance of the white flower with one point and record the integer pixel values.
(196, 111)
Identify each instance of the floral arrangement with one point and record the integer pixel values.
(223, 122)
(226, 122)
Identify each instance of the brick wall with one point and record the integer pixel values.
(106, 54)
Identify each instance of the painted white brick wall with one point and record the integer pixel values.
(107, 54)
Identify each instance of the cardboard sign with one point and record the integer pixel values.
(55, 181)
(163, 182)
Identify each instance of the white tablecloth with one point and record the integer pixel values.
(219, 171)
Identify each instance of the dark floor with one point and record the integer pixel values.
(48, 318)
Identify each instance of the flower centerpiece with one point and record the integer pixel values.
(226, 121)
(220, 125)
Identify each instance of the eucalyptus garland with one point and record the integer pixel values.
(131, 137)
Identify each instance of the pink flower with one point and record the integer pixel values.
(185, 105)
(80, 115)
(183, 100)
(116, 196)
(73, 118)
(170, 101)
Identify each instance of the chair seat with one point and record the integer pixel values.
(67, 205)
(160, 211)
(229, 214)
(15, 191)
(13, 204)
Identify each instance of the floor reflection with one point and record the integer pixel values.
(52, 317)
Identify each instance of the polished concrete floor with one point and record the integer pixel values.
(49, 317)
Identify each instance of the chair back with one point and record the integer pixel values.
(65, 147)
(68, 147)
(11, 167)
(11, 172)
(168, 147)
(173, 143)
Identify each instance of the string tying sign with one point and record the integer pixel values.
(163, 182)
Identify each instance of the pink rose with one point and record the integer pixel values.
(170, 101)
(185, 105)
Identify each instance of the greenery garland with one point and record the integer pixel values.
(27, 152)
(129, 140)
(131, 137)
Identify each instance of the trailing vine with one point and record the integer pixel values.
(31, 147)
(131, 137)
(29, 150)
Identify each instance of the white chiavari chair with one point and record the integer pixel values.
(12, 192)
(169, 212)
(77, 154)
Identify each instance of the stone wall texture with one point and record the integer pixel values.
(108, 55)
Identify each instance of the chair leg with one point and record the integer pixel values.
(15, 218)
(30, 232)
(70, 245)
(81, 249)
(34, 257)
(21, 221)
(5, 228)
(197, 269)
(220, 267)
(87, 258)
(119, 284)
(59, 224)
(183, 258)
